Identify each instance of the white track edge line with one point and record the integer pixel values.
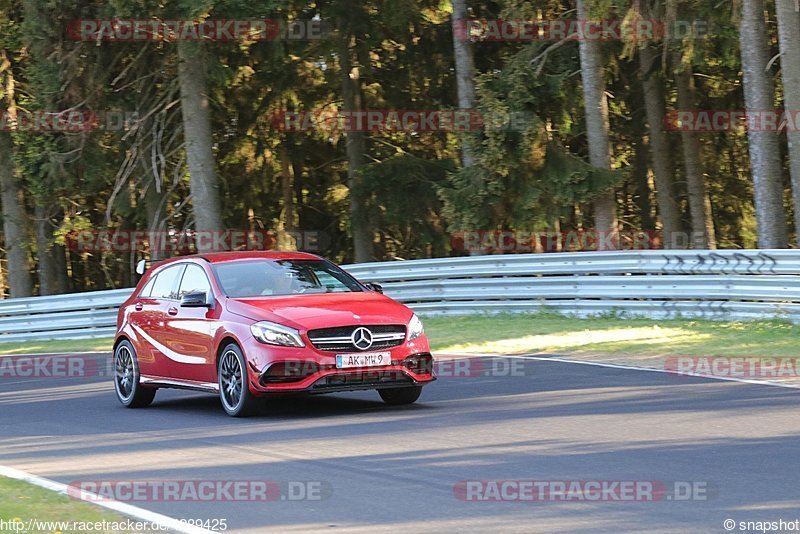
(626, 367)
(120, 507)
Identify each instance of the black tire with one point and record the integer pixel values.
(126, 378)
(400, 396)
(234, 390)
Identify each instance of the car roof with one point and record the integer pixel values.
(222, 257)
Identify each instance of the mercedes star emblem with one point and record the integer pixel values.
(362, 338)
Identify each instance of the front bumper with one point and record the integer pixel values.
(412, 365)
(338, 381)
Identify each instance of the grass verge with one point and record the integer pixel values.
(641, 338)
(544, 332)
(22, 502)
(56, 346)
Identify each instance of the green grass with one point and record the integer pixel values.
(547, 332)
(20, 501)
(51, 346)
(514, 334)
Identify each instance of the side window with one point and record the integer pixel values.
(194, 280)
(166, 285)
(148, 288)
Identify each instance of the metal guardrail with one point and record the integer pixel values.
(730, 284)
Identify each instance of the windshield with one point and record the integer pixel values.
(258, 278)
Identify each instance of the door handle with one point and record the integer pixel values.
(172, 310)
(139, 307)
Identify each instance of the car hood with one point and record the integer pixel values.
(307, 312)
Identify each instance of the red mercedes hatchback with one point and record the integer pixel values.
(246, 325)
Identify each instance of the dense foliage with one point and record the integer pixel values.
(404, 194)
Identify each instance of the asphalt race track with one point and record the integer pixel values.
(376, 468)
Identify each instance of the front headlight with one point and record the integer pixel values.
(415, 328)
(275, 334)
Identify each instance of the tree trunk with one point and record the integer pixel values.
(597, 126)
(46, 265)
(14, 225)
(204, 183)
(62, 282)
(789, 34)
(653, 83)
(297, 173)
(703, 234)
(356, 147)
(154, 211)
(641, 178)
(287, 189)
(765, 158)
(465, 71)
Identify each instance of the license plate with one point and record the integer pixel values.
(365, 359)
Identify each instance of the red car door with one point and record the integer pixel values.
(155, 333)
(192, 329)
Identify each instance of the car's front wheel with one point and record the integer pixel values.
(399, 396)
(126, 378)
(234, 391)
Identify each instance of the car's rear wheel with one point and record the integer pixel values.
(399, 396)
(126, 378)
(234, 391)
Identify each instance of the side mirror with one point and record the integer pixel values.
(377, 288)
(198, 299)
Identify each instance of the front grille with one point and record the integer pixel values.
(384, 336)
(366, 378)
